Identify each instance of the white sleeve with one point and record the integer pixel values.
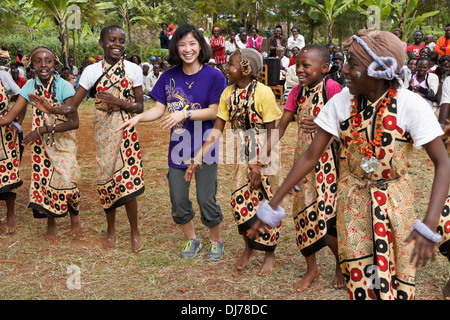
(433, 82)
(135, 73)
(90, 75)
(415, 116)
(446, 91)
(10, 85)
(328, 117)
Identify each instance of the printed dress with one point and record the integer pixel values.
(119, 160)
(375, 210)
(314, 204)
(249, 127)
(10, 153)
(55, 171)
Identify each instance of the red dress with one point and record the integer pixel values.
(218, 49)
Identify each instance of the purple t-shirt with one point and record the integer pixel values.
(187, 137)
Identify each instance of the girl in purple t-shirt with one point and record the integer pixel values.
(191, 93)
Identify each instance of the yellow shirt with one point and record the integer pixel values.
(265, 103)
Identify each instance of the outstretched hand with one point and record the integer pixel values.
(172, 119)
(424, 249)
(41, 104)
(129, 124)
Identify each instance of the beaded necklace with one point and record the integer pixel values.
(367, 148)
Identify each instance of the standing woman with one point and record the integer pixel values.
(191, 93)
(255, 40)
(11, 148)
(116, 85)
(53, 189)
(380, 240)
(217, 43)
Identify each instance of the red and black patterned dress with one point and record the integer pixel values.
(119, 159)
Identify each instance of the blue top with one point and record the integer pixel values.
(64, 89)
(188, 136)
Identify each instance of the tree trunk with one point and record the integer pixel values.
(402, 17)
(62, 39)
(330, 31)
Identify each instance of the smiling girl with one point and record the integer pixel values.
(191, 92)
(116, 85)
(251, 109)
(55, 173)
(380, 240)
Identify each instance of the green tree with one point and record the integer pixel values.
(330, 10)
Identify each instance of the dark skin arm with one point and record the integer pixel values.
(425, 249)
(72, 105)
(301, 168)
(17, 111)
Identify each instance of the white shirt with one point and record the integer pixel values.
(414, 116)
(231, 47)
(285, 63)
(240, 44)
(92, 72)
(445, 98)
(11, 87)
(299, 42)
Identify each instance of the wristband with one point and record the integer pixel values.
(270, 216)
(17, 125)
(423, 229)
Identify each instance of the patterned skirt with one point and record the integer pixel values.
(119, 160)
(245, 202)
(10, 156)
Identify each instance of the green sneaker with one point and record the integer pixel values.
(215, 250)
(191, 248)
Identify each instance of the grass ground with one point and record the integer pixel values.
(32, 268)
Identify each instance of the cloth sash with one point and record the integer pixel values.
(55, 171)
(119, 159)
(10, 153)
(248, 125)
(375, 211)
(314, 204)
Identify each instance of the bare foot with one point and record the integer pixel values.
(110, 241)
(50, 236)
(304, 283)
(268, 264)
(446, 291)
(244, 258)
(10, 224)
(339, 280)
(136, 243)
(75, 225)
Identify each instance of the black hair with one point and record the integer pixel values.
(256, 29)
(65, 68)
(135, 55)
(413, 58)
(423, 59)
(164, 23)
(433, 56)
(205, 51)
(399, 30)
(106, 29)
(321, 51)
